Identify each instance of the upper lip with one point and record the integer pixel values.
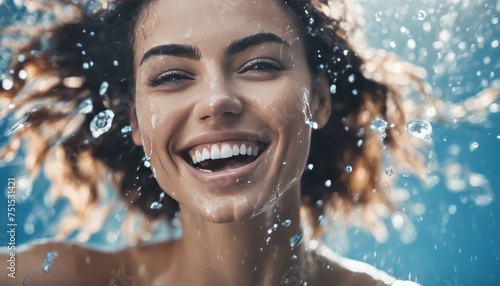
(221, 136)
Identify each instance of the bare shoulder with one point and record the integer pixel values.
(336, 270)
(58, 263)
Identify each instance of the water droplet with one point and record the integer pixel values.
(378, 16)
(379, 126)
(156, 206)
(294, 257)
(85, 66)
(25, 281)
(48, 261)
(268, 240)
(295, 240)
(101, 123)
(473, 146)
(127, 129)
(22, 74)
(312, 123)
(310, 166)
(421, 129)
(421, 15)
(348, 168)
(328, 183)
(85, 106)
(333, 89)
(103, 88)
(146, 161)
(286, 223)
(7, 84)
(115, 63)
(351, 78)
(389, 171)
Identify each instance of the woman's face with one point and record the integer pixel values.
(220, 109)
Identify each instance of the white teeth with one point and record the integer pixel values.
(197, 155)
(226, 151)
(205, 155)
(214, 152)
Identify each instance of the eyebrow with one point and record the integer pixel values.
(240, 45)
(175, 50)
(193, 53)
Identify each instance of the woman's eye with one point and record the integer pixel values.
(261, 66)
(171, 78)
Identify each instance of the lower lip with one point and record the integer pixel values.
(227, 177)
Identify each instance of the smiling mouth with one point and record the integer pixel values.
(219, 157)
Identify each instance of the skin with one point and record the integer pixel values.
(216, 96)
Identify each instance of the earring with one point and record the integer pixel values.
(101, 123)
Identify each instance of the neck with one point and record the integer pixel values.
(255, 252)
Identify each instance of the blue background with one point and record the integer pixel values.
(457, 241)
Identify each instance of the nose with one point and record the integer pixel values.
(219, 102)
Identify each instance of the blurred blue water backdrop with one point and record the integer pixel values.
(446, 233)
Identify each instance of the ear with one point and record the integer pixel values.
(136, 132)
(321, 102)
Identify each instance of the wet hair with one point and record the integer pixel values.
(66, 73)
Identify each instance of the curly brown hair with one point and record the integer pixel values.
(81, 64)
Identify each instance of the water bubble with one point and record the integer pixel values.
(333, 89)
(115, 63)
(85, 106)
(103, 88)
(348, 168)
(378, 16)
(7, 84)
(156, 205)
(421, 129)
(421, 15)
(452, 209)
(286, 223)
(379, 126)
(48, 261)
(389, 171)
(295, 240)
(294, 257)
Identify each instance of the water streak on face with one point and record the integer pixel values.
(224, 83)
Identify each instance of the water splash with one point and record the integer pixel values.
(421, 129)
(48, 261)
(307, 111)
(101, 123)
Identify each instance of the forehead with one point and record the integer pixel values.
(219, 21)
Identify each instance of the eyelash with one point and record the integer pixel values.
(268, 64)
(173, 77)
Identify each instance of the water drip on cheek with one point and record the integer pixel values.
(309, 120)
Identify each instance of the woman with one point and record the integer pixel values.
(227, 102)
